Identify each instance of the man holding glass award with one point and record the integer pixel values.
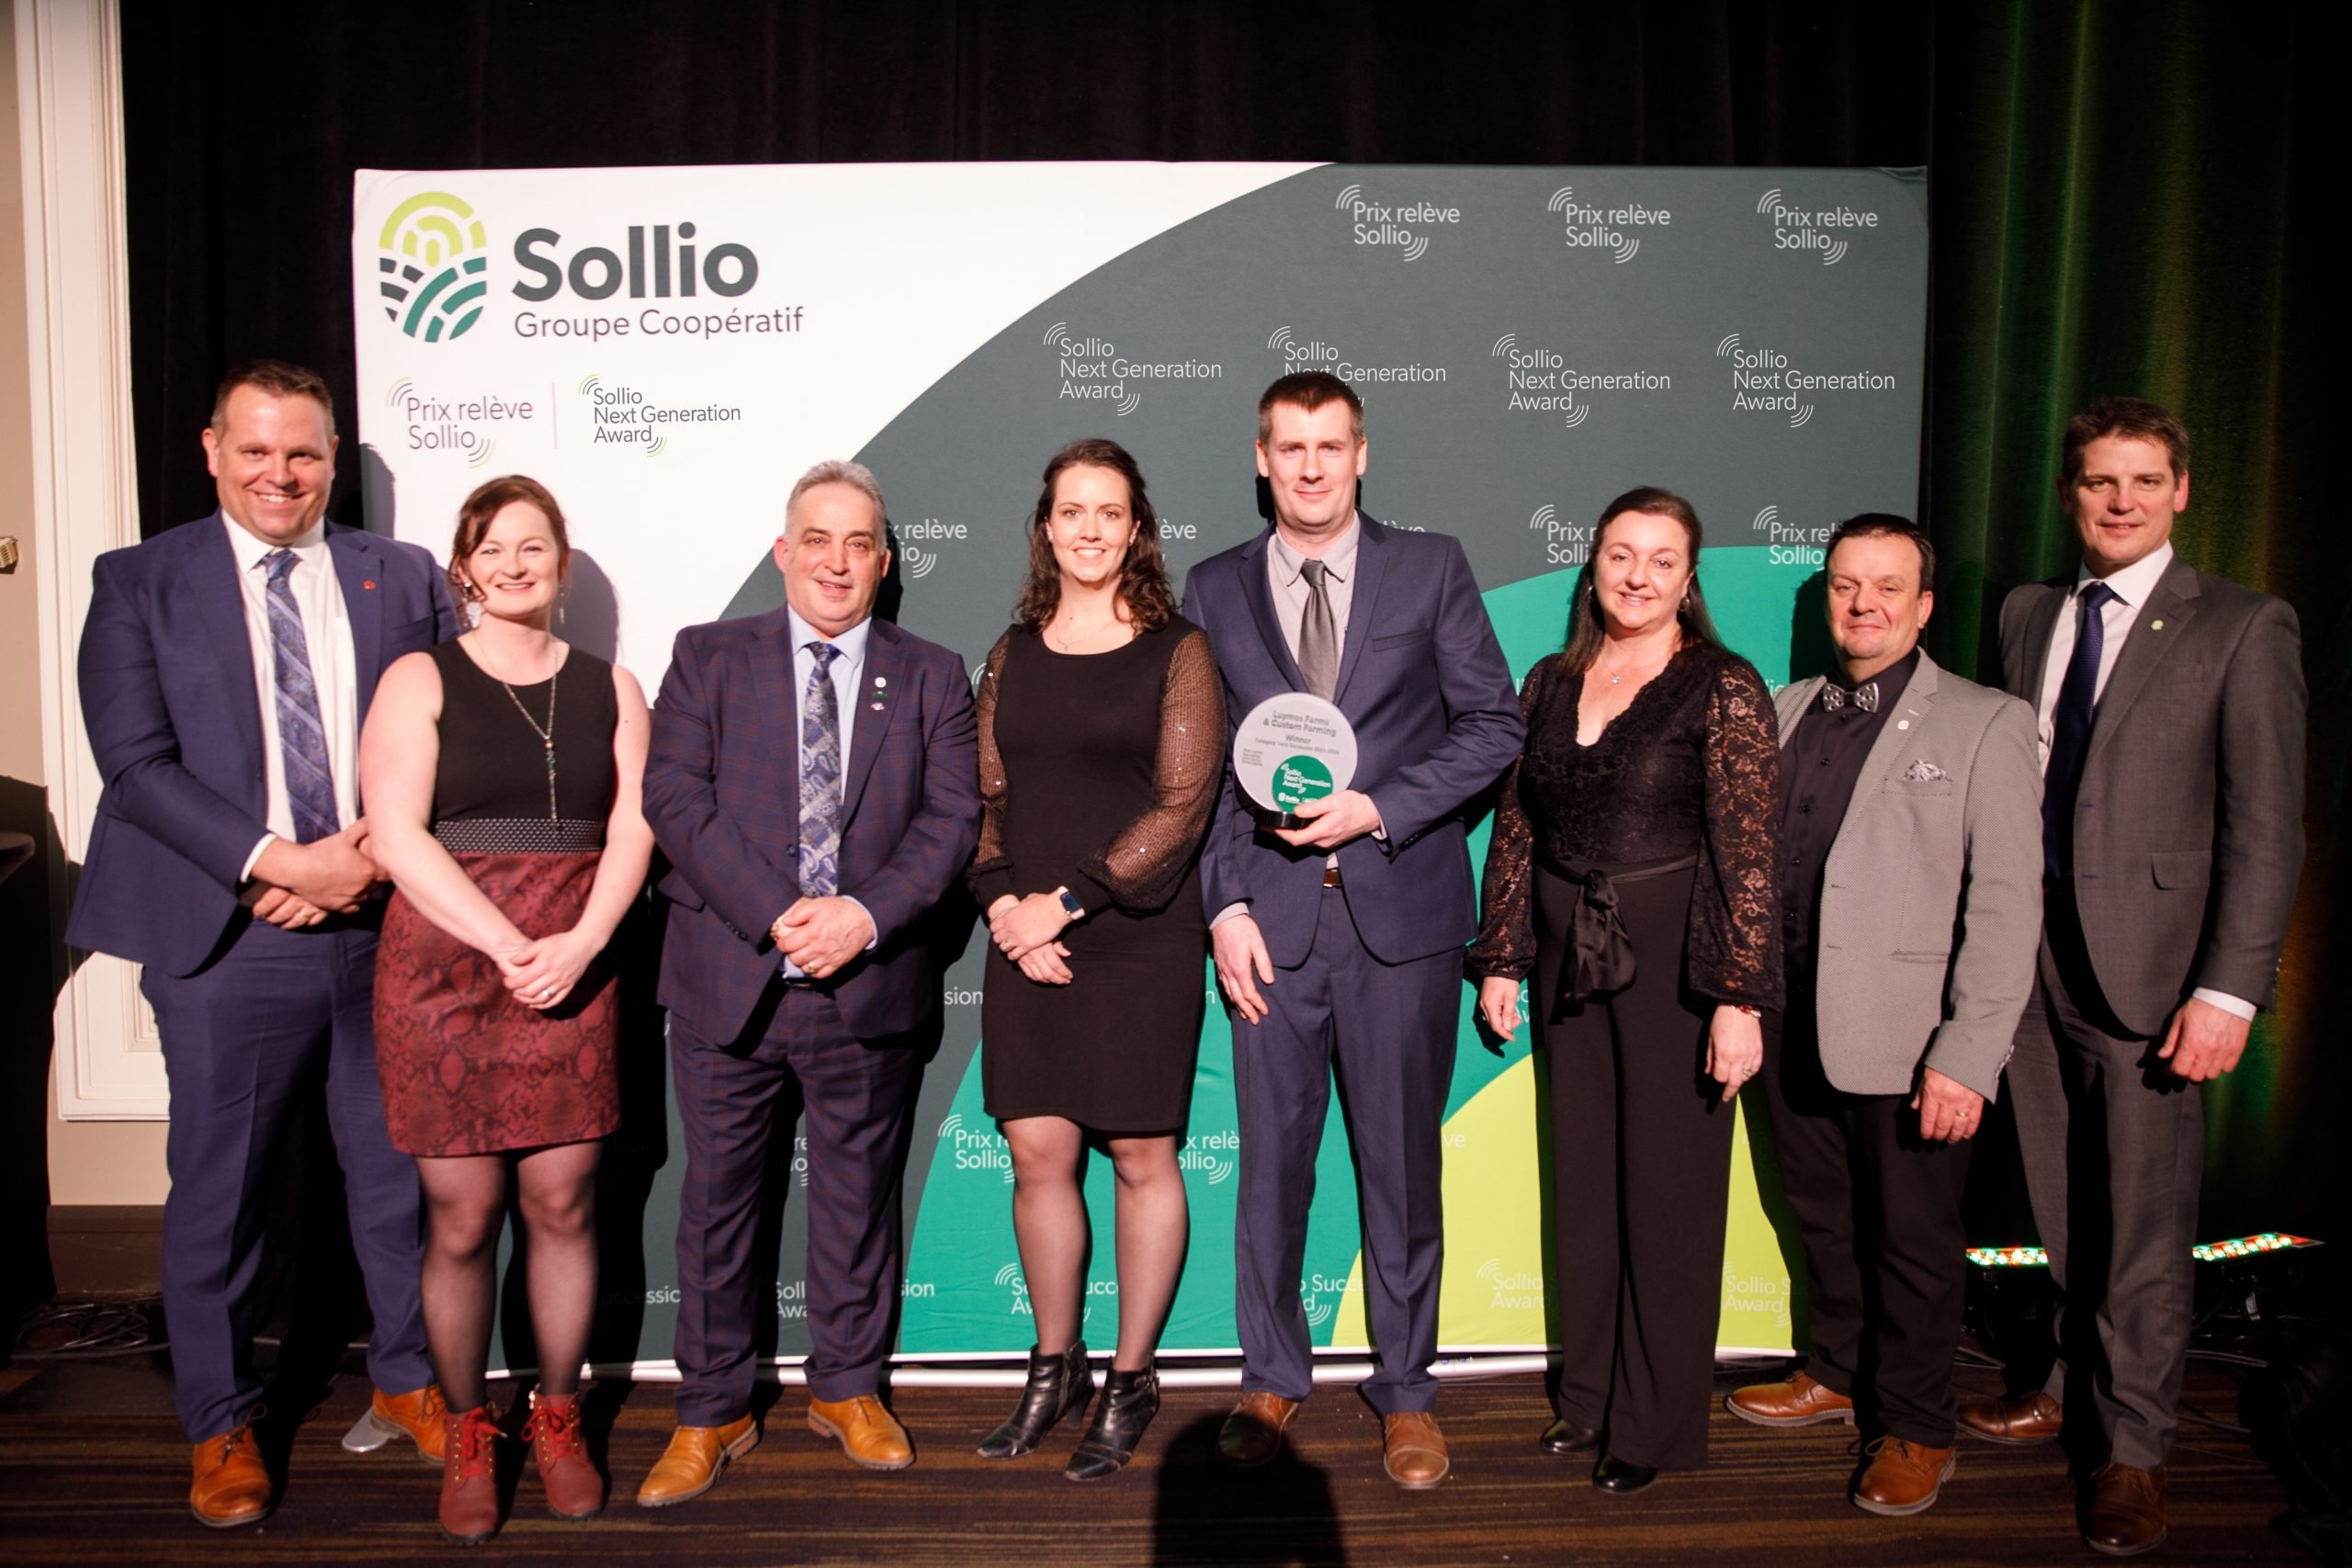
(1371, 703)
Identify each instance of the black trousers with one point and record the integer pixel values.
(1641, 1172)
(1885, 1252)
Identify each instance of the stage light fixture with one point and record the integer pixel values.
(2253, 1245)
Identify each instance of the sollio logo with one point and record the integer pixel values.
(666, 268)
(434, 252)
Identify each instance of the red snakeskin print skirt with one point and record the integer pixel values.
(465, 1068)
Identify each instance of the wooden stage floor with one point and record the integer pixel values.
(94, 1470)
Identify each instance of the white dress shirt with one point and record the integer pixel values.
(2131, 587)
(335, 670)
(848, 667)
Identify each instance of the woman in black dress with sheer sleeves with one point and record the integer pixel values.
(1102, 750)
(1632, 874)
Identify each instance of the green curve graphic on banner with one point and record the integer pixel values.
(963, 1263)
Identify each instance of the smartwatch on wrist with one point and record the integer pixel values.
(1070, 906)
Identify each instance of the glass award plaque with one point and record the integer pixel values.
(1292, 748)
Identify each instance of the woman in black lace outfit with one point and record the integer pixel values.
(1632, 873)
(1102, 748)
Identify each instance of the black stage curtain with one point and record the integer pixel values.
(2126, 198)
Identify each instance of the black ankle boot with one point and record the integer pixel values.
(1129, 1402)
(1057, 1385)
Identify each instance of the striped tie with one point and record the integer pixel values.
(821, 778)
(302, 734)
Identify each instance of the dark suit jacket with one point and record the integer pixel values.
(1423, 682)
(2189, 829)
(722, 791)
(173, 714)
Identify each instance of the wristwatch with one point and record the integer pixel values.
(1070, 906)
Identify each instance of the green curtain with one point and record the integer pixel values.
(2127, 199)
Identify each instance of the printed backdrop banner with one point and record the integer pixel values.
(668, 348)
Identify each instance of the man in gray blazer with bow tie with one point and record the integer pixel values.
(1911, 908)
(2171, 708)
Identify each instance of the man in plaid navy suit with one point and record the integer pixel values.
(814, 781)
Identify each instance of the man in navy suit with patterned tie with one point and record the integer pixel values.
(1339, 944)
(226, 668)
(815, 783)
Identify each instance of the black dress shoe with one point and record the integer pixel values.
(1129, 1402)
(1613, 1475)
(1564, 1437)
(1057, 1385)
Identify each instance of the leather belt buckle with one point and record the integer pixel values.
(1330, 877)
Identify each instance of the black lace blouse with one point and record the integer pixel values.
(1692, 763)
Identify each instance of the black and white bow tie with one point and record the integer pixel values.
(1865, 696)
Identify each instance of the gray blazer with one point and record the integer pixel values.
(2189, 829)
(1931, 899)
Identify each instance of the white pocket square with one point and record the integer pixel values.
(1922, 771)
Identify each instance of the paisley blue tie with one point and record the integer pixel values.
(821, 778)
(302, 733)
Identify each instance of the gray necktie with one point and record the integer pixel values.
(1318, 635)
(821, 777)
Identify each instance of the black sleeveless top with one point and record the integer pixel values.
(489, 787)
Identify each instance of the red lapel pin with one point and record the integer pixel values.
(369, 583)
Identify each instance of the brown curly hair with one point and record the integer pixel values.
(1143, 576)
(478, 511)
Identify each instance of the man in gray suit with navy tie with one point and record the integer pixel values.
(2171, 707)
(1911, 908)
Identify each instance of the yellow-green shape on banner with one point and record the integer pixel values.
(1492, 1297)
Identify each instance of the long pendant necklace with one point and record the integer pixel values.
(546, 735)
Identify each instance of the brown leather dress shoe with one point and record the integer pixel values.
(868, 1433)
(690, 1465)
(574, 1488)
(1801, 1400)
(1413, 1450)
(2125, 1513)
(416, 1416)
(2031, 1418)
(1253, 1433)
(1902, 1477)
(469, 1476)
(231, 1485)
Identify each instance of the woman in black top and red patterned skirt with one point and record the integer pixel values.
(1102, 750)
(1632, 873)
(502, 774)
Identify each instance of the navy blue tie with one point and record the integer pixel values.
(302, 733)
(2070, 734)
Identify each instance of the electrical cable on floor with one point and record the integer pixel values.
(2190, 1412)
(88, 1331)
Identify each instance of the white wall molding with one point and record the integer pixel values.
(77, 288)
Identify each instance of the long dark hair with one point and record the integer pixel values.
(1585, 630)
(1143, 575)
